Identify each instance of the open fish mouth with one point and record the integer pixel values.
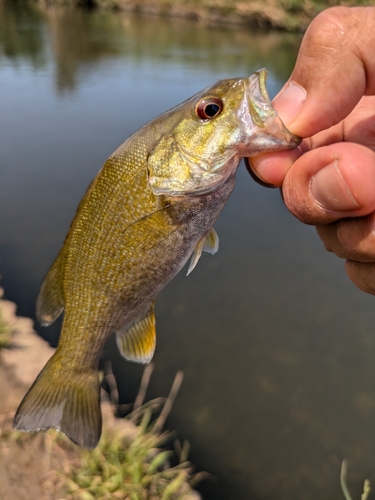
(271, 133)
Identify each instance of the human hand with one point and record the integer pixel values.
(329, 101)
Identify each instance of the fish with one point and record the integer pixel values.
(151, 207)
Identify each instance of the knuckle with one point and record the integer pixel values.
(347, 237)
(327, 30)
(333, 18)
(362, 275)
(356, 240)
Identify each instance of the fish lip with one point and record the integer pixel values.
(263, 114)
(258, 100)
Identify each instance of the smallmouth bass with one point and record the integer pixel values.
(150, 208)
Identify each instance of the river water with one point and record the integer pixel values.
(276, 345)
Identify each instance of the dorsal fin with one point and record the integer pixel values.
(137, 341)
(208, 243)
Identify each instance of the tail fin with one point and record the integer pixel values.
(67, 401)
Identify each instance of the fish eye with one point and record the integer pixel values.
(209, 108)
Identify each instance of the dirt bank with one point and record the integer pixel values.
(23, 463)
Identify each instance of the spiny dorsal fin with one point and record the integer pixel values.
(50, 303)
(208, 243)
(137, 341)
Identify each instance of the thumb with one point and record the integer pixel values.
(334, 69)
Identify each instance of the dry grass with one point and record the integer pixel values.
(344, 487)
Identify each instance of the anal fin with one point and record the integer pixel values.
(208, 243)
(137, 341)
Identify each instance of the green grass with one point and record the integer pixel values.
(135, 469)
(131, 462)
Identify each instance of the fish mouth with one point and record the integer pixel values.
(271, 132)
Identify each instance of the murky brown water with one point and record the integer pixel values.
(277, 346)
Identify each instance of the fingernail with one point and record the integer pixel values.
(330, 190)
(290, 102)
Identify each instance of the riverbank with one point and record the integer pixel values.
(287, 15)
(130, 461)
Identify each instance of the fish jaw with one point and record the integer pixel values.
(262, 129)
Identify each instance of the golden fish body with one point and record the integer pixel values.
(148, 210)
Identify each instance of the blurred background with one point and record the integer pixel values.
(277, 346)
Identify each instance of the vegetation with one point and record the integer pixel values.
(130, 462)
(135, 469)
(291, 15)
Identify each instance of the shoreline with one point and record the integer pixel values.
(46, 464)
(262, 15)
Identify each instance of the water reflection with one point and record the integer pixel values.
(26, 32)
(276, 345)
(21, 33)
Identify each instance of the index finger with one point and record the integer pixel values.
(335, 66)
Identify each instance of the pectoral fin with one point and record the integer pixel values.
(137, 341)
(211, 242)
(208, 243)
